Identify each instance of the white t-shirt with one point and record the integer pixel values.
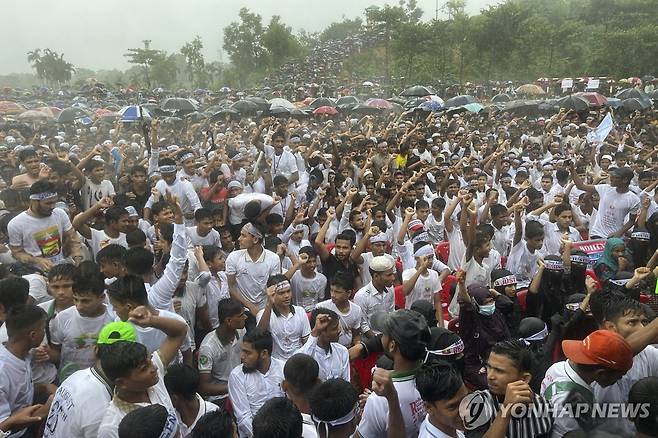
(109, 427)
(522, 263)
(457, 248)
(307, 292)
(284, 164)
(99, 240)
(613, 209)
(212, 238)
(153, 338)
(251, 277)
(236, 205)
(425, 288)
(428, 430)
(249, 391)
(38, 288)
(218, 358)
(204, 408)
(333, 364)
(16, 383)
(77, 336)
(91, 193)
(193, 299)
(435, 229)
(348, 321)
(374, 422)
(40, 236)
(78, 406)
(287, 331)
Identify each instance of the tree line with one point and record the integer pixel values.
(514, 40)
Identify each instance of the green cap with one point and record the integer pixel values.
(117, 331)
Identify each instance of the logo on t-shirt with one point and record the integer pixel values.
(49, 241)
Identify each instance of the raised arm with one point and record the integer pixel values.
(319, 245)
(80, 221)
(578, 181)
(174, 329)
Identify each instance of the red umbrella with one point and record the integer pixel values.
(379, 103)
(595, 99)
(8, 107)
(328, 110)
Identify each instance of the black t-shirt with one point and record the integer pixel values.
(331, 266)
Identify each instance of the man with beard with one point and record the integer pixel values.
(378, 295)
(257, 380)
(40, 235)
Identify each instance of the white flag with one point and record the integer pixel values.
(599, 134)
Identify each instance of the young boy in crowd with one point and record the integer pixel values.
(308, 285)
(219, 352)
(349, 313)
(137, 376)
(323, 346)
(116, 224)
(161, 213)
(111, 260)
(14, 291)
(26, 326)
(526, 248)
(95, 187)
(213, 278)
(203, 233)
(73, 331)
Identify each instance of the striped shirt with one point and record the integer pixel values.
(536, 423)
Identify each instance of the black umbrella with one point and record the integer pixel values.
(263, 104)
(413, 103)
(347, 100)
(196, 116)
(279, 111)
(635, 104)
(633, 93)
(398, 100)
(245, 107)
(575, 103)
(614, 103)
(502, 97)
(321, 101)
(365, 109)
(461, 100)
(179, 104)
(521, 106)
(418, 90)
(654, 95)
(69, 115)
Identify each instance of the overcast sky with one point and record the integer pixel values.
(96, 33)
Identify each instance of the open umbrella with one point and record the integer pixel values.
(594, 99)
(179, 104)
(321, 101)
(280, 102)
(347, 100)
(279, 111)
(33, 116)
(245, 107)
(365, 109)
(461, 100)
(633, 93)
(418, 90)
(635, 104)
(69, 115)
(50, 110)
(573, 102)
(131, 113)
(367, 84)
(502, 97)
(379, 103)
(521, 106)
(415, 102)
(8, 107)
(263, 104)
(614, 103)
(654, 95)
(328, 110)
(429, 106)
(398, 100)
(530, 90)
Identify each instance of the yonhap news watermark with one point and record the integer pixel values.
(476, 410)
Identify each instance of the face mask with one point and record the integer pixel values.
(487, 309)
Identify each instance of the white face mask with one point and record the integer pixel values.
(487, 309)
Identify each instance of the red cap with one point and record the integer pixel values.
(601, 347)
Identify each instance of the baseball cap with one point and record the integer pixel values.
(406, 326)
(602, 347)
(117, 331)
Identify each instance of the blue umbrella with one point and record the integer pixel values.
(131, 113)
(430, 105)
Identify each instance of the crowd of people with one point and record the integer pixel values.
(419, 274)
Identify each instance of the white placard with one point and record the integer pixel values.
(567, 83)
(593, 84)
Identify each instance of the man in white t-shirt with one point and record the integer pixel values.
(616, 204)
(288, 323)
(237, 201)
(40, 235)
(95, 187)
(423, 282)
(404, 339)
(138, 377)
(249, 268)
(80, 401)
(116, 224)
(219, 352)
(254, 382)
(180, 189)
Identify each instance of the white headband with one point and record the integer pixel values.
(553, 265)
(537, 336)
(505, 281)
(337, 422)
(580, 259)
(186, 156)
(450, 350)
(43, 196)
(423, 251)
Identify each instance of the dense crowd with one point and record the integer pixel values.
(398, 274)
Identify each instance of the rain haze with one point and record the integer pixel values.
(96, 34)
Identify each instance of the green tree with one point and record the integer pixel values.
(243, 42)
(280, 43)
(196, 64)
(146, 58)
(51, 66)
(342, 29)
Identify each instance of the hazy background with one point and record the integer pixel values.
(95, 34)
